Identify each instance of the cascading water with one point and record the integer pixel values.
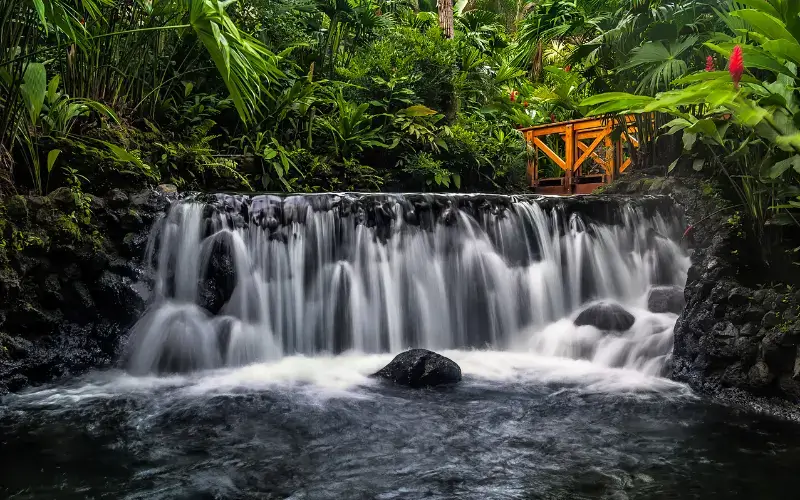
(245, 279)
(546, 409)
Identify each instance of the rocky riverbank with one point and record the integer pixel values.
(735, 338)
(69, 291)
(70, 286)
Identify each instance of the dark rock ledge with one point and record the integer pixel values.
(68, 293)
(738, 343)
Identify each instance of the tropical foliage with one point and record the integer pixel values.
(309, 95)
(279, 95)
(740, 122)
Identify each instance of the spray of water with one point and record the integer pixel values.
(240, 280)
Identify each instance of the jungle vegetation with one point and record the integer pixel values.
(321, 95)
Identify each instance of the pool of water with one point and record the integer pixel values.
(519, 426)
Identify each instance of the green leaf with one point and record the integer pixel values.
(269, 153)
(39, 6)
(622, 106)
(122, 155)
(782, 166)
(417, 110)
(187, 88)
(34, 90)
(697, 164)
(52, 156)
(786, 49)
(760, 5)
(748, 113)
(765, 24)
(677, 125)
(673, 165)
(753, 57)
(707, 127)
(788, 142)
(689, 139)
(101, 109)
(285, 162)
(773, 100)
(457, 181)
(244, 63)
(610, 96)
(739, 152)
(52, 89)
(705, 76)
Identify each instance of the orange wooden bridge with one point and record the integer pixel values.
(591, 157)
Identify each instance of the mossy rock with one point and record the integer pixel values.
(63, 198)
(16, 209)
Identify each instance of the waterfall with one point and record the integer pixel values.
(240, 279)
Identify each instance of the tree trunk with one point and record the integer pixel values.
(446, 17)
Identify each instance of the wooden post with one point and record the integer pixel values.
(609, 155)
(533, 153)
(569, 156)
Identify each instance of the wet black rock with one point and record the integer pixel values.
(420, 368)
(666, 299)
(424, 209)
(112, 292)
(66, 300)
(606, 316)
(117, 198)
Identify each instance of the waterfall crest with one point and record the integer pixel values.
(241, 279)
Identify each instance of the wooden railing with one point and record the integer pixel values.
(583, 153)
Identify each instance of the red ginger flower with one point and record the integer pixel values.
(513, 95)
(525, 104)
(553, 117)
(567, 68)
(710, 63)
(736, 66)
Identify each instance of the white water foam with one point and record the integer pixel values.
(348, 376)
(300, 280)
(497, 292)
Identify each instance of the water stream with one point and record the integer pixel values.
(248, 376)
(292, 278)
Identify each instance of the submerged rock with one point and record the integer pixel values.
(420, 368)
(606, 316)
(663, 299)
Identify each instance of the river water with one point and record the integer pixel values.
(518, 426)
(248, 377)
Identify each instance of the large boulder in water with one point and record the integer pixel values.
(663, 299)
(606, 316)
(420, 368)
